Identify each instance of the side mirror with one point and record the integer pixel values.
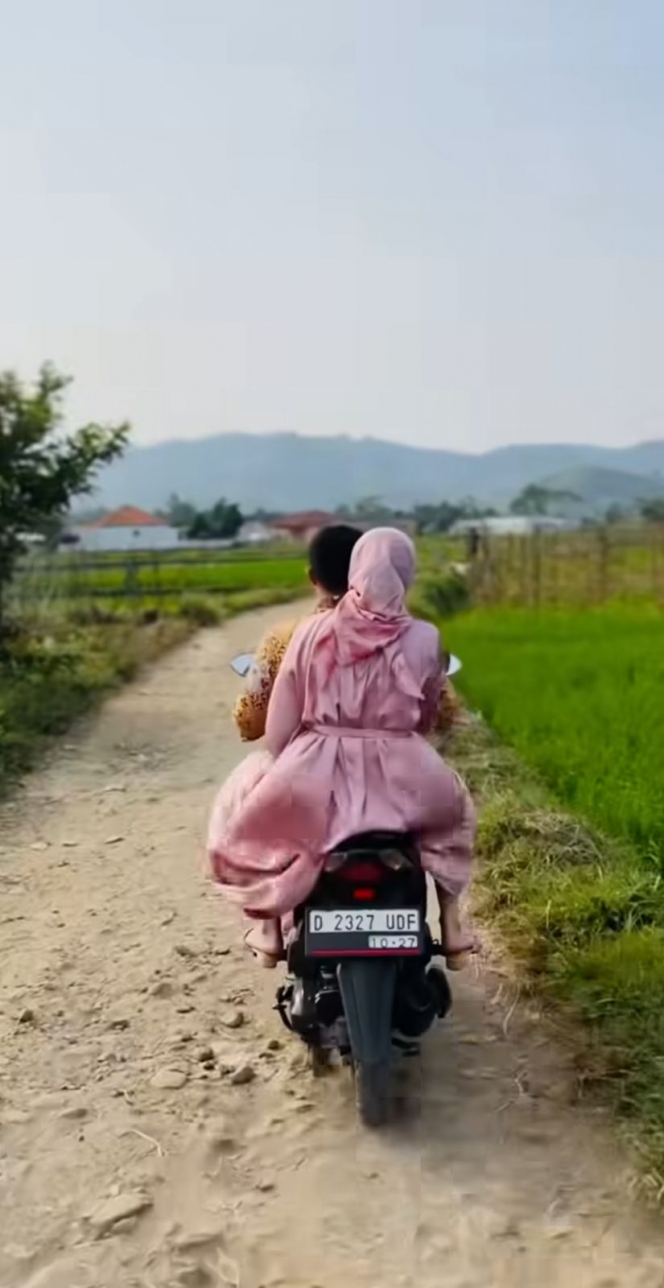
(242, 664)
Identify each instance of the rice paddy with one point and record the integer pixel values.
(568, 763)
(579, 694)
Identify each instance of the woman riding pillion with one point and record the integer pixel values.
(357, 691)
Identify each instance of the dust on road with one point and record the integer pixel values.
(157, 1126)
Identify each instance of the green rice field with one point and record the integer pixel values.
(579, 694)
(569, 768)
(141, 578)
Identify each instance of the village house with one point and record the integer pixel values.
(302, 527)
(255, 532)
(125, 529)
(512, 525)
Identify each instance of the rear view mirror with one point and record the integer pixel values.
(453, 664)
(243, 664)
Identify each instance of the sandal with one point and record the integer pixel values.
(458, 947)
(459, 960)
(268, 961)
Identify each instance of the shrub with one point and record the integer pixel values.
(444, 596)
(199, 611)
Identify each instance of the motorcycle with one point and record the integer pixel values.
(361, 986)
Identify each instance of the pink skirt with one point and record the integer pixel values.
(270, 827)
(265, 934)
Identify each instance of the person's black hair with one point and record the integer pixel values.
(329, 557)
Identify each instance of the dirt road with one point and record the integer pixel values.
(132, 1150)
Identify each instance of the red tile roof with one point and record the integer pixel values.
(304, 521)
(128, 516)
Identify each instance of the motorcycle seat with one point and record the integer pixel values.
(375, 842)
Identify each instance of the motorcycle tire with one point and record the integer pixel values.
(318, 1061)
(371, 1086)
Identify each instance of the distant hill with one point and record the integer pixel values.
(597, 489)
(292, 472)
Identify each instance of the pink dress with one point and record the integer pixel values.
(346, 755)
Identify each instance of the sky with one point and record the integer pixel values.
(435, 221)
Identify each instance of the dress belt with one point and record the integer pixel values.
(352, 731)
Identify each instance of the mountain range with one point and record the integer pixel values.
(284, 472)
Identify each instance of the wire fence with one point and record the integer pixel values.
(590, 567)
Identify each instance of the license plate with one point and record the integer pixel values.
(364, 932)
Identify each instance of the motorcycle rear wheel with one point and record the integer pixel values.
(318, 1061)
(371, 1086)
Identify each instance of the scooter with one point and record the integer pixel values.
(361, 985)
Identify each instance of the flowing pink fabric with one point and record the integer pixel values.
(357, 690)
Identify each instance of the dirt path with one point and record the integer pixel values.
(120, 973)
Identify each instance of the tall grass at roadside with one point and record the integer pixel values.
(47, 680)
(571, 830)
(59, 659)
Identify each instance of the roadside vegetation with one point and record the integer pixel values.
(76, 579)
(54, 670)
(58, 664)
(564, 749)
(70, 632)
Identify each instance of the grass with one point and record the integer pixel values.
(580, 695)
(583, 919)
(61, 659)
(589, 566)
(47, 680)
(176, 555)
(158, 577)
(571, 830)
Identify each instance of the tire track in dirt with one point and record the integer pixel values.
(130, 1157)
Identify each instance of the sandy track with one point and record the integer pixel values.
(120, 965)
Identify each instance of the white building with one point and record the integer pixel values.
(255, 533)
(125, 529)
(517, 525)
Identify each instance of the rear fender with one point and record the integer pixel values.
(367, 990)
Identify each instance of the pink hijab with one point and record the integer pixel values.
(373, 614)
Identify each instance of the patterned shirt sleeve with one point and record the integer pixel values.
(250, 710)
(449, 709)
(441, 708)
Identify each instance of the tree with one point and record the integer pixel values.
(614, 514)
(440, 518)
(373, 509)
(221, 523)
(41, 468)
(537, 500)
(179, 513)
(653, 511)
(226, 519)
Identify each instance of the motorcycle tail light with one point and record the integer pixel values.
(363, 892)
(363, 870)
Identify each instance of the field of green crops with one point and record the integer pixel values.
(580, 695)
(73, 578)
(570, 770)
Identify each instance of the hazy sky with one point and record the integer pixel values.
(440, 220)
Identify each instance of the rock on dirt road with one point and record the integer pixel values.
(133, 1154)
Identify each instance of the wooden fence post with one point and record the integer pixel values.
(603, 569)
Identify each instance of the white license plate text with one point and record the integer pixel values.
(382, 921)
